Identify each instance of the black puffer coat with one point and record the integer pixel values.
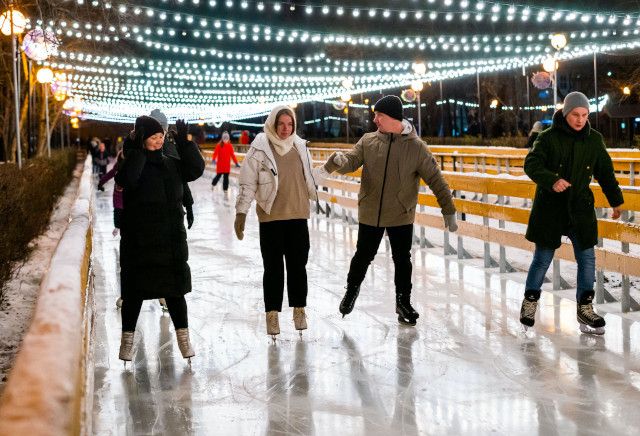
(562, 153)
(153, 248)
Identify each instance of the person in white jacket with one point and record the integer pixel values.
(278, 174)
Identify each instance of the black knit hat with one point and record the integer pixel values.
(150, 126)
(390, 105)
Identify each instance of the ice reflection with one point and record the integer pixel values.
(464, 369)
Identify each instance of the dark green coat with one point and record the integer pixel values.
(153, 247)
(562, 153)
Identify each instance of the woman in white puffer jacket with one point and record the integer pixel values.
(278, 173)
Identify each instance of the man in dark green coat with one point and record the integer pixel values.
(562, 162)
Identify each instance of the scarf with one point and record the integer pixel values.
(282, 146)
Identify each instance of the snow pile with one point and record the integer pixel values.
(41, 396)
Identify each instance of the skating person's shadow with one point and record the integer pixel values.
(373, 411)
(137, 390)
(404, 412)
(288, 405)
(540, 371)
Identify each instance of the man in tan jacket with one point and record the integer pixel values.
(393, 160)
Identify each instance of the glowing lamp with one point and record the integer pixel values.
(19, 22)
(45, 75)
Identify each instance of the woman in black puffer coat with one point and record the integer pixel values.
(153, 248)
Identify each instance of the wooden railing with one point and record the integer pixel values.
(490, 197)
(496, 160)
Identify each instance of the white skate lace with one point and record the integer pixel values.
(530, 308)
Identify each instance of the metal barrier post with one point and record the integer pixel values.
(599, 281)
(504, 265)
(625, 298)
(632, 182)
(489, 262)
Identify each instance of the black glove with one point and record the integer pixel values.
(189, 216)
(100, 188)
(237, 165)
(182, 129)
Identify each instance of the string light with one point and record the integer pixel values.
(232, 84)
(481, 10)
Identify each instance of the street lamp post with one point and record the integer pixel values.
(419, 68)
(558, 42)
(480, 124)
(45, 76)
(550, 65)
(346, 98)
(595, 86)
(418, 86)
(12, 23)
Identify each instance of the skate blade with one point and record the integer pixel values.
(526, 328)
(591, 330)
(408, 322)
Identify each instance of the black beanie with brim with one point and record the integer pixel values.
(150, 126)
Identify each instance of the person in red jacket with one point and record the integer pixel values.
(222, 156)
(244, 138)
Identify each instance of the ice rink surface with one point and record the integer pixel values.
(465, 369)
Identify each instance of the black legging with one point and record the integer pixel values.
(225, 180)
(131, 309)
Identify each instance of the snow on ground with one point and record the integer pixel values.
(21, 291)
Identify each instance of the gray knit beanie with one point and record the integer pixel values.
(161, 118)
(573, 100)
(537, 127)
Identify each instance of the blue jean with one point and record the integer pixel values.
(542, 258)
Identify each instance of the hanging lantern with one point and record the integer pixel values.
(541, 80)
(408, 95)
(19, 23)
(39, 44)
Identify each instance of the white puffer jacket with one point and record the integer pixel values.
(259, 175)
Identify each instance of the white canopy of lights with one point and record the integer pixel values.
(187, 72)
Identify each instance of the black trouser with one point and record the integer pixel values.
(131, 309)
(288, 239)
(225, 180)
(117, 217)
(369, 238)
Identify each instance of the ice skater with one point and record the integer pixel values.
(278, 173)
(101, 159)
(393, 160)
(153, 244)
(169, 149)
(562, 162)
(222, 156)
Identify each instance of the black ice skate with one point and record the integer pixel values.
(590, 322)
(406, 314)
(349, 300)
(528, 309)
